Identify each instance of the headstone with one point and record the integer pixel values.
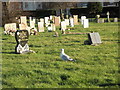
(40, 26)
(41, 20)
(71, 22)
(21, 37)
(32, 24)
(67, 22)
(85, 23)
(57, 21)
(23, 19)
(51, 27)
(100, 20)
(94, 38)
(22, 26)
(115, 19)
(82, 19)
(75, 17)
(63, 27)
(108, 14)
(10, 28)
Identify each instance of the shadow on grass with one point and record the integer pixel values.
(109, 84)
(8, 52)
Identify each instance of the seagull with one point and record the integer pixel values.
(65, 57)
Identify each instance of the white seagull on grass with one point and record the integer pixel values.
(65, 57)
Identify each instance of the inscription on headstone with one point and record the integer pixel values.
(21, 37)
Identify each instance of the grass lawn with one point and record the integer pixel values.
(95, 66)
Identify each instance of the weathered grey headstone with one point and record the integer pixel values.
(94, 38)
(21, 37)
(75, 17)
(40, 26)
(85, 23)
(115, 19)
(82, 19)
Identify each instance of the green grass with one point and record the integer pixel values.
(96, 66)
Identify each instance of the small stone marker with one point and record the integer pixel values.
(67, 22)
(23, 19)
(115, 19)
(21, 37)
(57, 21)
(85, 23)
(100, 20)
(94, 38)
(75, 17)
(10, 28)
(82, 19)
(40, 26)
(71, 22)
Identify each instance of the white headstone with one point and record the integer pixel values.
(23, 19)
(32, 24)
(40, 26)
(67, 22)
(82, 19)
(85, 23)
(71, 22)
(63, 26)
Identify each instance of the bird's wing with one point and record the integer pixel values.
(65, 57)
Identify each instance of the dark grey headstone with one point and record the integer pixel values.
(94, 38)
(21, 37)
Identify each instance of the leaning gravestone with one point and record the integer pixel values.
(94, 38)
(21, 37)
(85, 23)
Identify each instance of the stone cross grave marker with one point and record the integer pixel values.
(94, 38)
(57, 21)
(75, 17)
(10, 28)
(85, 23)
(71, 22)
(82, 19)
(23, 19)
(21, 37)
(108, 15)
(40, 26)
